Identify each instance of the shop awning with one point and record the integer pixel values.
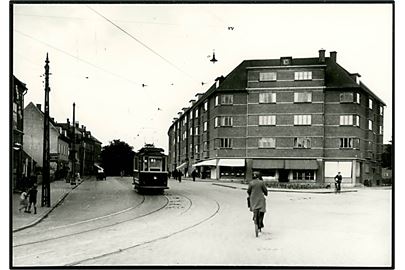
(98, 166)
(232, 162)
(268, 164)
(181, 166)
(304, 164)
(212, 162)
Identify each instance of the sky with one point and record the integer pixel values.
(101, 55)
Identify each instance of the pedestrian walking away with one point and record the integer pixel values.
(338, 181)
(32, 194)
(179, 174)
(194, 174)
(257, 191)
(23, 201)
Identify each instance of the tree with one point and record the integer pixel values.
(387, 156)
(116, 157)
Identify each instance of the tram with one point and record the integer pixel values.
(150, 169)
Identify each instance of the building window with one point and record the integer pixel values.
(191, 131)
(302, 142)
(358, 98)
(370, 103)
(184, 135)
(381, 110)
(267, 76)
(196, 113)
(205, 145)
(302, 75)
(227, 99)
(196, 131)
(349, 142)
(267, 143)
(216, 100)
(381, 130)
(302, 97)
(226, 121)
(346, 120)
(357, 120)
(346, 97)
(370, 125)
(191, 148)
(303, 175)
(196, 148)
(216, 122)
(206, 106)
(302, 119)
(267, 120)
(225, 143)
(267, 97)
(205, 126)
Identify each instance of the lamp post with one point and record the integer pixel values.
(46, 192)
(73, 151)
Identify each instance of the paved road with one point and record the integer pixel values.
(196, 223)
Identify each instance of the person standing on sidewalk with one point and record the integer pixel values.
(338, 181)
(32, 193)
(23, 201)
(256, 191)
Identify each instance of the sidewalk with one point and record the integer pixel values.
(237, 184)
(20, 220)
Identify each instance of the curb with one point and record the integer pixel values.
(288, 190)
(46, 213)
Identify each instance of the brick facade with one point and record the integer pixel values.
(293, 119)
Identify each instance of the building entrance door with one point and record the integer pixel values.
(283, 175)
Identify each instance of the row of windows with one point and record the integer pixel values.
(298, 142)
(272, 76)
(270, 120)
(271, 97)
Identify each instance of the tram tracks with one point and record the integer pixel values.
(119, 250)
(183, 204)
(171, 202)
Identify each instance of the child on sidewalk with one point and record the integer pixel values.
(23, 201)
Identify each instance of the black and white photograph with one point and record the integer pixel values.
(201, 134)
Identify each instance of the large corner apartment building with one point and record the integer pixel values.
(293, 119)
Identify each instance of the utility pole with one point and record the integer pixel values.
(73, 151)
(46, 189)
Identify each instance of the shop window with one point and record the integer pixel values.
(303, 175)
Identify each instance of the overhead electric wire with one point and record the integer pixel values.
(78, 58)
(143, 44)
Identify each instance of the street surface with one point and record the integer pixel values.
(106, 223)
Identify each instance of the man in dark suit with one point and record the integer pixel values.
(338, 181)
(257, 190)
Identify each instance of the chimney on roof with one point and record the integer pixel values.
(77, 124)
(218, 81)
(333, 56)
(68, 122)
(52, 119)
(84, 127)
(39, 107)
(321, 56)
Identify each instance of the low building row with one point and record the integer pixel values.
(27, 138)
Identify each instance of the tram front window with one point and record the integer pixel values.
(155, 164)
